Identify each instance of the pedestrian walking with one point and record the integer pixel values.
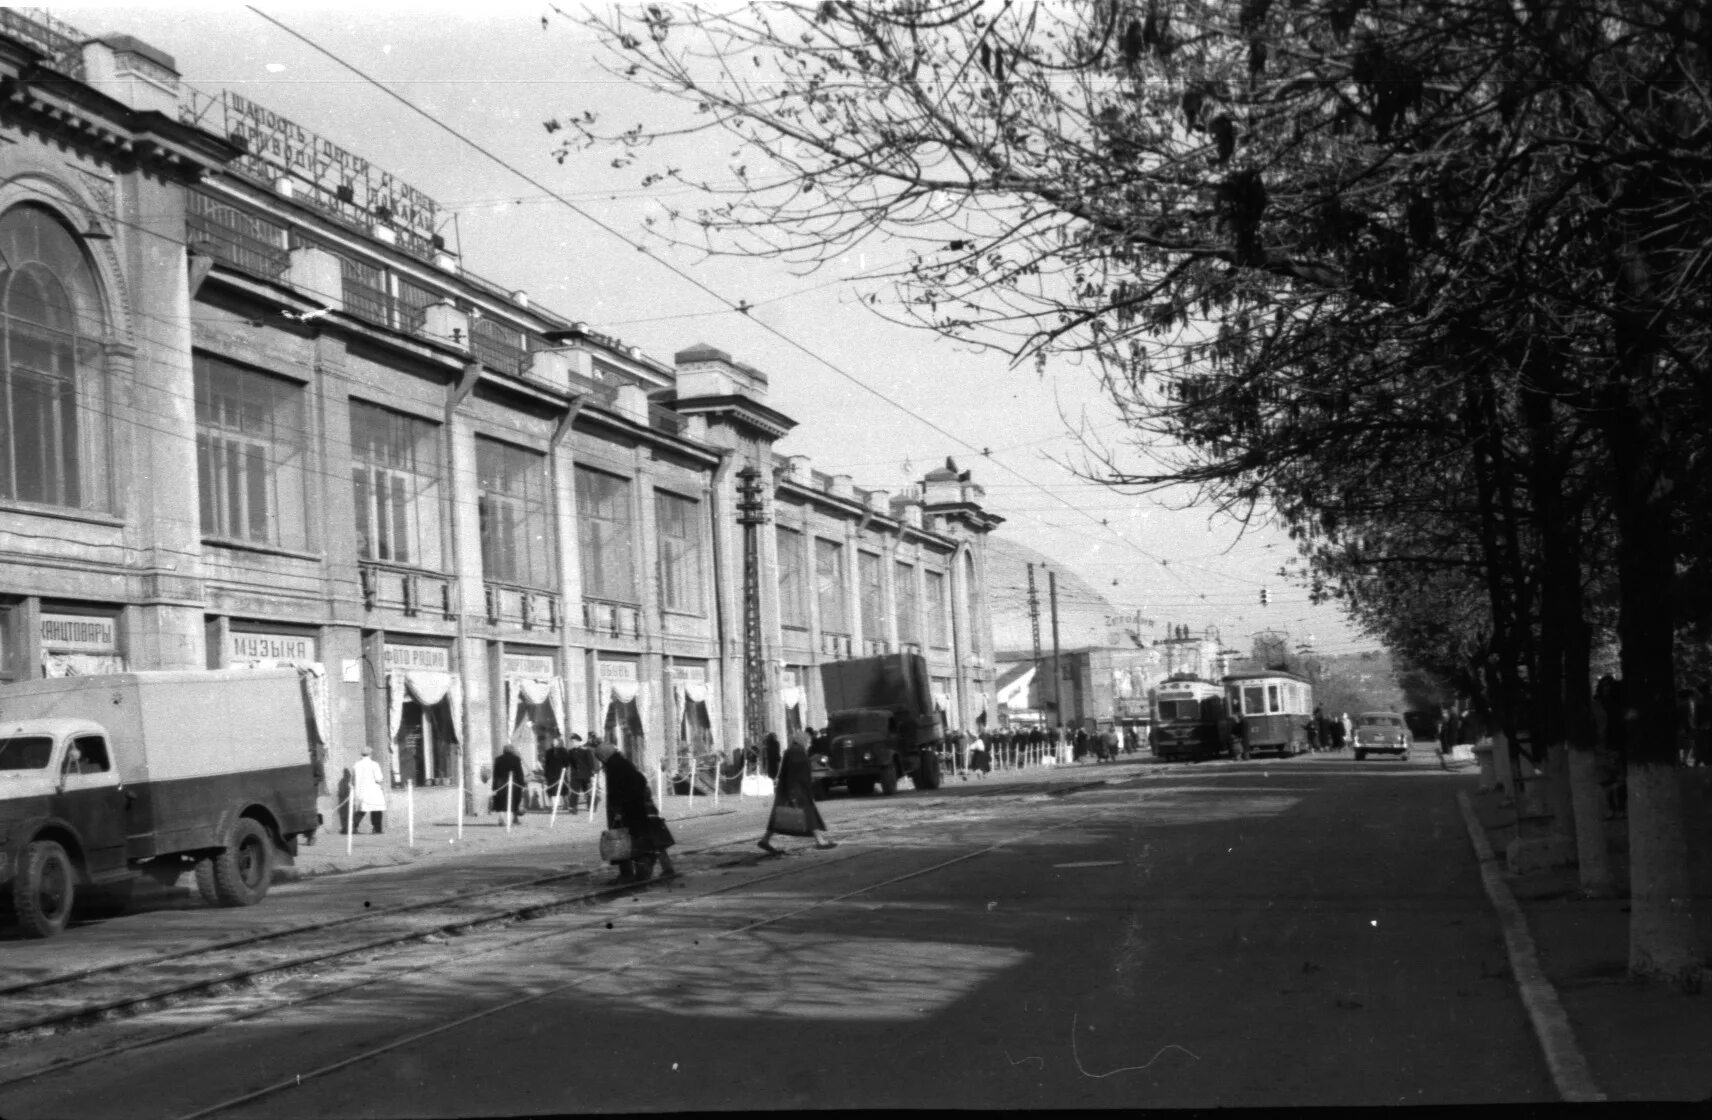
(794, 811)
(1448, 730)
(580, 766)
(630, 807)
(368, 793)
(509, 784)
(555, 762)
(980, 759)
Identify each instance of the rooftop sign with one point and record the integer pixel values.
(338, 181)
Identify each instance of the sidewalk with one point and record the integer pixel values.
(1640, 1041)
(482, 833)
(486, 832)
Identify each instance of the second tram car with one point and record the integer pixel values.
(1273, 707)
(1189, 720)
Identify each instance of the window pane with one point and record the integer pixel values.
(903, 586)
(604, 536)
(872, 596)
(829, 586)
(397, 486)
(516, 523)
(937, 635)
(793, 584)
(678, 531)
(53, 390)
(252, 427)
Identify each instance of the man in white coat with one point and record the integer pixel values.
(368, 793)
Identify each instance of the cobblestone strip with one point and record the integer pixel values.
(1574, 1081)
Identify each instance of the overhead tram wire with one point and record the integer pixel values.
(730, 304)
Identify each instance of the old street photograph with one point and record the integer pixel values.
(712, 556)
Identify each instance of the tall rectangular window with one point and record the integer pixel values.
(903, 580)
(515, 509)
(395, 473)
(250, 452)
(830, 586)
(793, 579)
(678, 530)
(873, 596)
(938, 633)
(605, 532)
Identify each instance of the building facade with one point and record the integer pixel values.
(254, 412)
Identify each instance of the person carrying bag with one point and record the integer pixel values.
(794, 811)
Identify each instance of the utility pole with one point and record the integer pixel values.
(752, 514)
(1034, 613)
(1057, 670)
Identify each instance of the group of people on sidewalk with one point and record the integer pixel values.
(630, 806)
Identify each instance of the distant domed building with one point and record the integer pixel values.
(1085, 617)
(1109, 658)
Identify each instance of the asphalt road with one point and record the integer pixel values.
(1277, 932)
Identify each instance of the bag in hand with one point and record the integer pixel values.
(615, 845)
(790, 820)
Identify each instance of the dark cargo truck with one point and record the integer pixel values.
(103, 778)
(881, 725)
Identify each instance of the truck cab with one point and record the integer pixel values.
(103, 778)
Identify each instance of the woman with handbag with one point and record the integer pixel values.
(632, 816)
(794, 812)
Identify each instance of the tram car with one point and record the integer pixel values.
(1189, 720)
(1274, 708)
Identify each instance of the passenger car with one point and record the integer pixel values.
(1381, 731)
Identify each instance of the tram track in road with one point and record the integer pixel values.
(136, 985)
(317, 988)
(370, 1052)
(318, 956)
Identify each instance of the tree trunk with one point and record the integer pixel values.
(1663, 942)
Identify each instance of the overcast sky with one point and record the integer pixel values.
(494, 73)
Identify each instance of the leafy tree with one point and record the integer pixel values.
(1301, 239)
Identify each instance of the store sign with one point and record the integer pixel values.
(436, 659)
(616, 670)
(695, 674)
(81, 632)
(533, 667)
(269, 647)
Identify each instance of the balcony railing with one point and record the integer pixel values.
(231, 236)
(499, 347)
(365, 291)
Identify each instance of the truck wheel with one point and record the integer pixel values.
(205, 881)
(861, 787)
(927, 775)
(244, 870)
(43, 890)
(889, 780)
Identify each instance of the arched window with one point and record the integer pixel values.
(53, 383)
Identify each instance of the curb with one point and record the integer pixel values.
(1568, 1066)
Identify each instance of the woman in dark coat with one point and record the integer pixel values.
(510, 787)
(794, 788)
(630, 806)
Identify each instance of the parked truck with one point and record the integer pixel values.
(105, 778)
(881, 725)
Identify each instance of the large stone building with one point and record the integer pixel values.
(253, 412)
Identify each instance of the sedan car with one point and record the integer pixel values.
(1381, 731)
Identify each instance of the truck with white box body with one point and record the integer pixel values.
(103, 778)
